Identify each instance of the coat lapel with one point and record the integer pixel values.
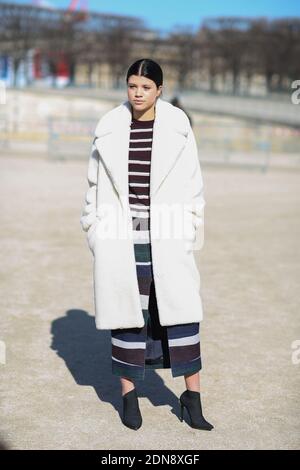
(112, 142)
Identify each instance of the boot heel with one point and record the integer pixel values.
(192, 402)
(181, 410)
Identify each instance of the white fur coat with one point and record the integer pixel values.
(176, 218)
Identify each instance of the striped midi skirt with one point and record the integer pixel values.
(175, 347)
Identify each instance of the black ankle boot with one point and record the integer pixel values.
(132, 417)
(192, 401)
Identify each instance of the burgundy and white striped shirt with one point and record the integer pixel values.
(140, 147)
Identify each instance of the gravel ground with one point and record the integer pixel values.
(57, 390)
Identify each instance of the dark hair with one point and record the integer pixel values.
(146, 68)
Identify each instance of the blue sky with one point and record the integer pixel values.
(165, 14)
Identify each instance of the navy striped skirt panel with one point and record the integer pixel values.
(175, 347)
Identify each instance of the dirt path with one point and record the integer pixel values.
(57, 391)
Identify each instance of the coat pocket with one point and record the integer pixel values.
(91, 233)
(190, 237)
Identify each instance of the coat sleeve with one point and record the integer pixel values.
(90, 204)
(195, 188)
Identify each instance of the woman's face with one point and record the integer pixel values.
(142, 92)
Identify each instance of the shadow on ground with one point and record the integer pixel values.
(86, 352)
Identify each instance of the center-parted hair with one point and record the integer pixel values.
(146, 68)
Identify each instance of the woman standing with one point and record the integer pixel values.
(143, 208)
